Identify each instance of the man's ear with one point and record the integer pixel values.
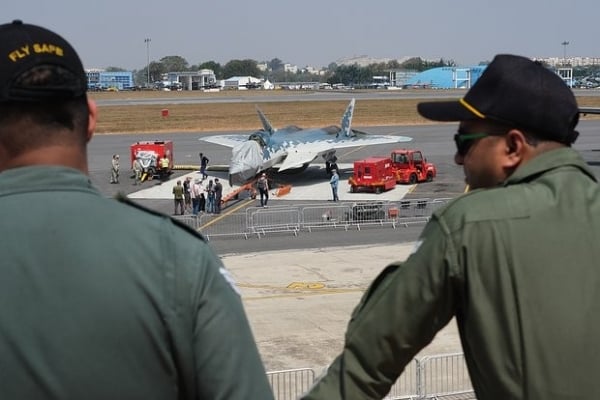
(92, 118)
(516, 147)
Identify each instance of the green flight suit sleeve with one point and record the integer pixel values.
(211, 340)
(405, 306)
(228, 364)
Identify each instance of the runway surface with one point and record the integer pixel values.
(195, 97)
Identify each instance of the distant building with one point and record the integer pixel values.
(241, 83)
(314, 71)
(290, 68)
(445, 78)
(462, 77)
(570, 61)
(398, 78)
(103, 80)
(194, 80)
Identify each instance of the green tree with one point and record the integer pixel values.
(174, 64)
(275, 65)
(418, 64)
(215, 66)
(157, 69)
(141, 76)
(241, 68)
(353, 75)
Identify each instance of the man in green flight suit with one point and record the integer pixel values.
(515, 260)
(99, 299)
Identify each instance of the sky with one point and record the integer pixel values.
(314, 32)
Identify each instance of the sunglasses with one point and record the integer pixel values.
(464, 141)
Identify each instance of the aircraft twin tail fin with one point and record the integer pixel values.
(265, 122)
(347, 119)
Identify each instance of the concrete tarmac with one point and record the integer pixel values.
(299, 301)
(311, 185)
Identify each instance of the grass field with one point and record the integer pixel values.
(242, 115)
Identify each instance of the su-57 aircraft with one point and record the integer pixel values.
(292, 149)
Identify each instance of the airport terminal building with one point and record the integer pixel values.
(445, 78)
(104, 80)
(462, 77)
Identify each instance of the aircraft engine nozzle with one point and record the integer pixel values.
(246, 162)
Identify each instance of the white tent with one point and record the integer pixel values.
(267, 85)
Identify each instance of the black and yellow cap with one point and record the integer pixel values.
(23, 47)
(515, 90)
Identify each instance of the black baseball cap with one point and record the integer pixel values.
(515, 90)
(24, 47)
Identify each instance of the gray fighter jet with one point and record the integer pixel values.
(292, 149)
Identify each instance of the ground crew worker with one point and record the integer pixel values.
(178, 195)
(137, 171)
(334, 182)
(164, 166)
(263, 189)
(203, 166)
(114, 169)
(105, 299)
(515, 260)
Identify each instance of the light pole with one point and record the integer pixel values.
(147, 41)
(565, 44)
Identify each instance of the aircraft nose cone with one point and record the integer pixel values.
(246, 161)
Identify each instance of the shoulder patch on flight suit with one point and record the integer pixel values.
(121, 198)
(227, 275)
(416, 246)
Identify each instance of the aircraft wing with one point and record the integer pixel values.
(297, 158)
(365, 139)
(305, 153)
(226, 140)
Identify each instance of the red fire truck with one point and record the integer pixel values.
(411, 167)
(151, 155)
(373, 173)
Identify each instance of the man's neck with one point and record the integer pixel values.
(65, 156)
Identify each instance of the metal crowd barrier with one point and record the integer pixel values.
(443, 375)
(259, 221)
(291, 383)
(431, 377)
(407, 384)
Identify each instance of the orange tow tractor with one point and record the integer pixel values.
(410, 166)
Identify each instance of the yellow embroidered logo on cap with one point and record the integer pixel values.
(37, 48)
